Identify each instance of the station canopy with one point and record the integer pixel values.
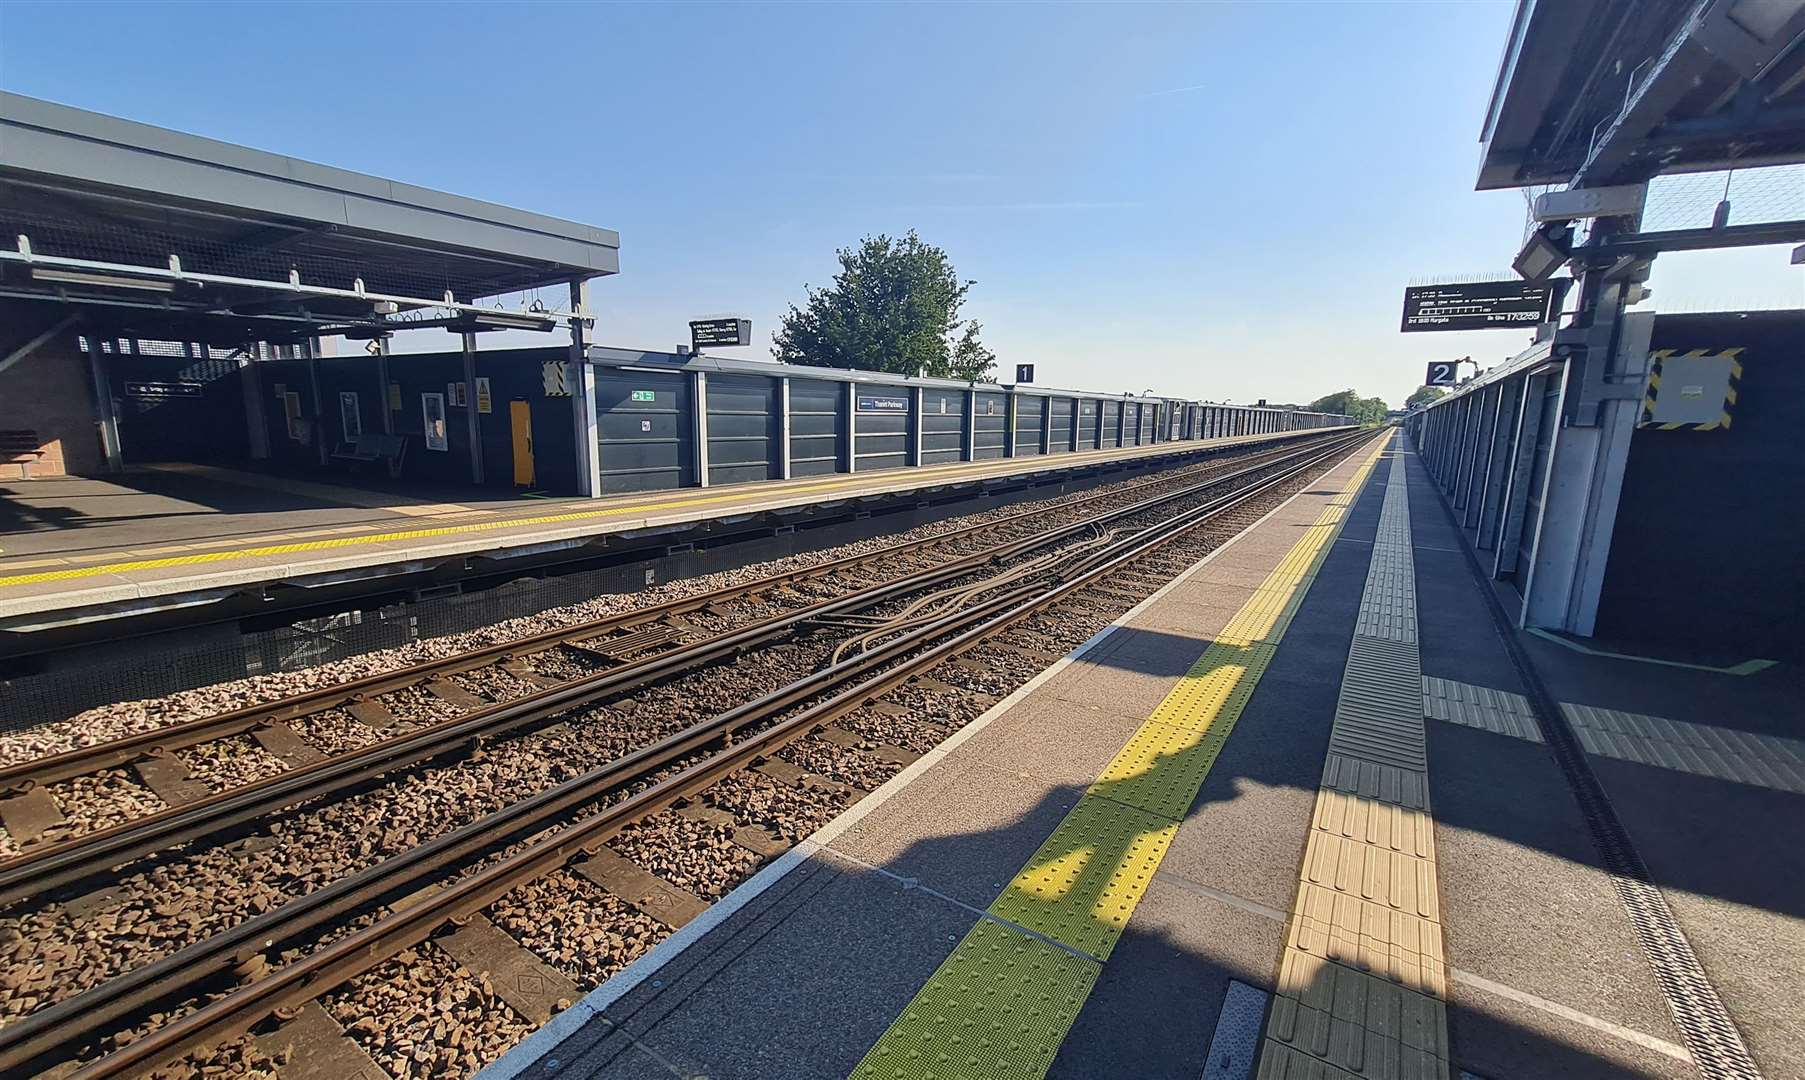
(1599, 92)
(163, 235)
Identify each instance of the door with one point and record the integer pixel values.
(520, 422)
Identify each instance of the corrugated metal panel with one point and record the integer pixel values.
(816, 427)
(942, 426)
(1088, 412)
(1060, 439)
(992, 420)
(1111, 434)
(1029, 422)
(645, 445)
(882, 427)
(742, 429)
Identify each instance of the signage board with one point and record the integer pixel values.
(1024, 373)
(1441, 373)
(645, 395)
(883, 404)
(162, 389)
(484, 402)
(720, 332)
(1475, 305)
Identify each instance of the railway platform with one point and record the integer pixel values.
(181, 536)
(1314, 809)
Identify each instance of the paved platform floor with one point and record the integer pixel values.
(1519, 961)
(164, 531)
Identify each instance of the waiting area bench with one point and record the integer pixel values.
(391, 449)
(21, 448)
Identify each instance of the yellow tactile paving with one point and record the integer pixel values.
(1082, 885)
(1364, 976)
(1080, 888)
(264, 548)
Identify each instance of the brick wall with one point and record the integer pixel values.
(47, 392)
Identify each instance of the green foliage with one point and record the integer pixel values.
(1349, 402)
(1423, 396)
(893, 307)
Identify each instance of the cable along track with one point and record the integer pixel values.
(888, 654)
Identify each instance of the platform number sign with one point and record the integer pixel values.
(1441, 373)
(1024, 373)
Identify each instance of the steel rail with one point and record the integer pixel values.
(51, 866)
(82, 761)
(296, 983)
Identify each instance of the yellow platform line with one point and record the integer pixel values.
(1002, 1003)
(789, 488)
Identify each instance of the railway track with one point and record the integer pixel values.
(883, 649)
(444, 688)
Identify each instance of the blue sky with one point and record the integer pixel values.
(1214, 200)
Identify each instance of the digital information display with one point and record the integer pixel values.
(720, 332)
(1475, 305)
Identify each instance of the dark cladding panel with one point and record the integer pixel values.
(644, 425)
(1089, 409)
(742, 421)
(942, 426)
(882, 426)
(1028, 424)
(1060, 438)
(1112, 418)
(816, 427)
(991, 422)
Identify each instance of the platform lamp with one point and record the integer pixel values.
(1547, 250)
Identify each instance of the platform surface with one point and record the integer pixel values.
(1514, 957)
(167, 531)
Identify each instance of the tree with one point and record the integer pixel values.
(894, 306)
(1423, 396)
(1349, 402)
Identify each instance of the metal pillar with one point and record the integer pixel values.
(971, 423)
(318, 418)
(383, 401)
(582, 395)
(256, 426)
(916, 422)
(852, 428)
(1009, 429)
(698, 389)
(783, 428)
(1046, 425)
(1077, 407)
(106, 414)
(1579, 502)
(474, 422)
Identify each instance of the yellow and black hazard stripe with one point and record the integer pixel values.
(1654, 388)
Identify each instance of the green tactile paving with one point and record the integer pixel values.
(1082, 885)
(1161, 768)
(998, 1007)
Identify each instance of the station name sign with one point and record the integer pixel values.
(720, 332)
(1475, 305)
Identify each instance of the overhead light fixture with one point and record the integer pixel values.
(1543, 254)
(111, 281)
(504, 320)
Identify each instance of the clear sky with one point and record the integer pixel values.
(1211, 200)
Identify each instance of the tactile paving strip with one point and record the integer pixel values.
(1737, 756)
(998, 1007)
(1498, 711)
(1364, 977)
(1081, 887)
(1217, 685)
(1161, 768)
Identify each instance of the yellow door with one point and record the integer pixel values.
(520, 418)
